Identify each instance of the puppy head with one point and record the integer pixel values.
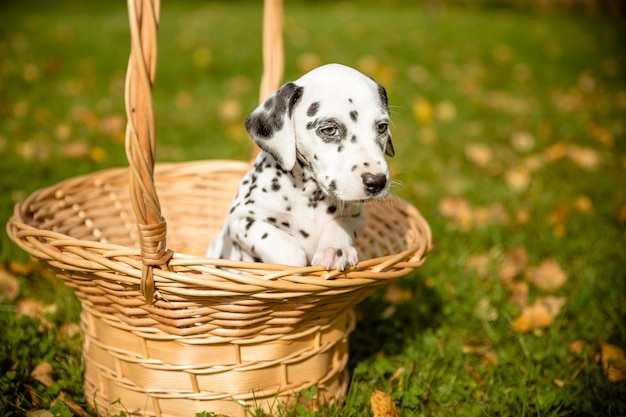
(336, 121)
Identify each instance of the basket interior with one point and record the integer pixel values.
(194, 198)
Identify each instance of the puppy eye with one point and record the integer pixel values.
(382, 128)
(329, 131)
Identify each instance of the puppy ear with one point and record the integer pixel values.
(389, 148)
(271, 127)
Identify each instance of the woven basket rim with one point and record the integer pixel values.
(256, 276)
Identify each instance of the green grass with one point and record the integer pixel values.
(482, 76)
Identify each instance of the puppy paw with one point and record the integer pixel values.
(335, 258)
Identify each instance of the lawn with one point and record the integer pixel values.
(509, 126)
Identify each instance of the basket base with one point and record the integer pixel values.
(126, 371)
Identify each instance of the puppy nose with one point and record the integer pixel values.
(374, 183)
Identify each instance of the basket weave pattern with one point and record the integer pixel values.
(170, 332)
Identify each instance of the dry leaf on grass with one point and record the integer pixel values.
(23, 269)
(396, 295)
(9, 287)
(519, 292)
(548, 276)
(485, 310)
(613, 362)
(523, 141)
(383, 405)
(465, 217)
(518, 178)
(480, 264)
(539, 315)
(515, 260)
(478, 154)
(458, 209)
(585, 158)
(422, 111)
(43, 374)
(481, 349)
(37, 310)
(76, 409)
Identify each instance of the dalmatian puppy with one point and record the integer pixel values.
(323, 139)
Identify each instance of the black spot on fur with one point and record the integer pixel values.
(271, 219)
(340, 148)
(354, 167)
(332, 209)
(353, 139)
(316, 197)
(332, 186)
(383, 97)
(286, 224)
(264, 236)
(257, 259)
(249, 223)
(275, 184)
(354, 115)
(313, 108)
(339, 252)
(264, 124)
(304, 234)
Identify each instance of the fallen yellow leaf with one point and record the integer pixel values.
(422, 111)
(479, 263)
(76, 409)
(230, 111)
(478, 154)
(577, 346)
(446, 111)
(514, 262)
(37, 310)
(539, 315)
(43, 374)
(396, 295)
(613, 362)
(555, 152)
(518, 179)
(584, 158)
(457, 209)
(383, 405)
(519, 292)
(9, 287)
(21, 268)
(583, 204)
(523, 141)
(548, 276)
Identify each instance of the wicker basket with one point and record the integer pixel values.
(169, 332)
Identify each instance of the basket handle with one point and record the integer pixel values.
(141, 127)
(273, 52)
(143, 18)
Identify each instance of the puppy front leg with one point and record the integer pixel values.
(335, 249)
(264, 242)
